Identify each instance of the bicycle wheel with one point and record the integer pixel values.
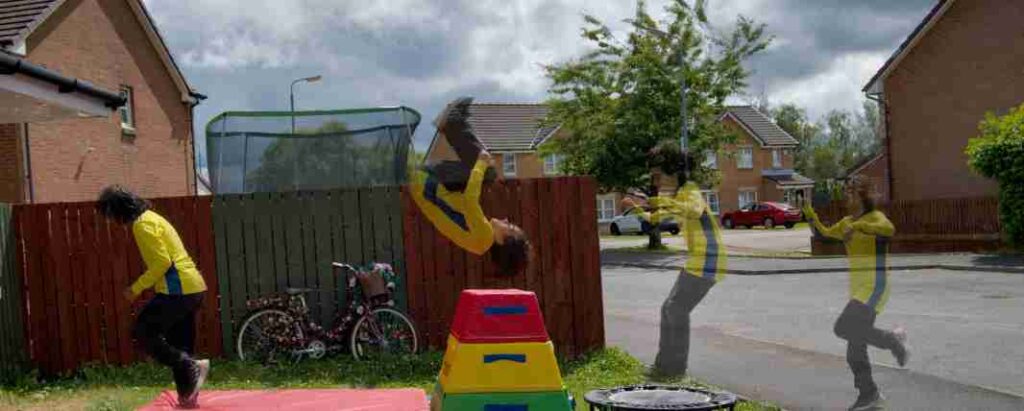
(267, 334)
(384, 331)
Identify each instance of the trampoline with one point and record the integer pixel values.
(309, 150)
(659, 397)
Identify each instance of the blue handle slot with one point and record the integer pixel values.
(505, 310)
(506, 407)
(519, 358)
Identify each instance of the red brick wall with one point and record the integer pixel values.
(102, 42)
(10, 164)
(877, 172)
(968, 64)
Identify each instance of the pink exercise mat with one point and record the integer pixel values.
(331, 399)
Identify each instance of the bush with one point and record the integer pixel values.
(998, 153)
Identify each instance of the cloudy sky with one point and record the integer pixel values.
(422, 53)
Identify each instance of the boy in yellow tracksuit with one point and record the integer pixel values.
(448, 194)
(867, 245)
(166, 326)
(705, 265)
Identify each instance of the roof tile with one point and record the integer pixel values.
(764, 128)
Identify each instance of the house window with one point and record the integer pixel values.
(747, 198)
(553, 164)
(776, 158)
(127, 111)
(508, 164)
(711, 198)
(746, 158)
(605, 208)
(711, 160)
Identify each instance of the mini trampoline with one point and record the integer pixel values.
(659, 397)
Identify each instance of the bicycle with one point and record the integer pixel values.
(279, 325)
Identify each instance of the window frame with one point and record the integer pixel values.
(714, 206)
(601, 202)
(505, 163)
(711, 159)
(740, 164)
(127, 111)
(776, 158)
(556, 162)
(752, 202)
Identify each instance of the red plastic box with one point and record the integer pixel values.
(498, 316)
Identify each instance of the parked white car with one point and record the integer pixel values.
(631, 223)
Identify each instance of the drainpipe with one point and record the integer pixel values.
(878, 98)
(196, 99)
(27, 164)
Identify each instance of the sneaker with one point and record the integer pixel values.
(190, 399)
(870, 402)
(901, 351)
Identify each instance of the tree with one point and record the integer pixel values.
(998, 153)
(621, 102)
(794, 121)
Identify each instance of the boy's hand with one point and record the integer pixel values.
(128, 294)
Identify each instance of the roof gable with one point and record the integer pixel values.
(875, 85)
(19, 18)
(760, 127)
(510, 127)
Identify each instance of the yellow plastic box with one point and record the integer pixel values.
(496, 368)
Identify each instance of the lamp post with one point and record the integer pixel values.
(684, 138)
(291, 96)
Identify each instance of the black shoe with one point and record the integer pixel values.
(188, 398)
(869, 402)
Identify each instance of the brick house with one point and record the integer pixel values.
(513, 134)
(876, 169)
(962, 61)
(146, 145)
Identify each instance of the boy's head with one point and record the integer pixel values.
(861, 195)
(511, 249)
(121, 205)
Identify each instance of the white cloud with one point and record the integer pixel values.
(838, 87)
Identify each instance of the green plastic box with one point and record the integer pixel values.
(520, 401)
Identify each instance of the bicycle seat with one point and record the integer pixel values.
(297, 291)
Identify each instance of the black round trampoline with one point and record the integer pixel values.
(659, 397)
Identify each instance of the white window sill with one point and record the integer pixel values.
(127, 130)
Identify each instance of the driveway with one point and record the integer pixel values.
(770, 337)
(779, 240)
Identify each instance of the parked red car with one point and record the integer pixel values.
(767, 214)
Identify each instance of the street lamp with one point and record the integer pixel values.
(684, 139)
(291, 93)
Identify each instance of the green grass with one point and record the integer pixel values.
(117, 388)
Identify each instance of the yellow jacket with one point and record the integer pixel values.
(707, 256)
(169, 269)
(867, 249)
(457, 215)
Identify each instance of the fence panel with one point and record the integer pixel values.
(269, 242)
(558, 215)
(75, 264)
(12, 339)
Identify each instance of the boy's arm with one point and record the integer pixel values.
(836, 231)
(474, 186)
(154, 254)
(875, 224)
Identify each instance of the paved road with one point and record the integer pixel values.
(742, 240)
(770, 337)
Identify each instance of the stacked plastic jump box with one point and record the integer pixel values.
(499, 357)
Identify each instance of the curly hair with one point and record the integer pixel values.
(119, 204)
(513, 255)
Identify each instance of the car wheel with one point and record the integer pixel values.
(674, 232)
(727, 223)
(615, 229)
(790, 225)
(645, 228)
(769, 223)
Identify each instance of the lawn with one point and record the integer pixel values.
(110, 388)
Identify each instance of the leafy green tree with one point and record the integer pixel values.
(621, 101)
(998, 153)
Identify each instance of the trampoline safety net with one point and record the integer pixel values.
(309, 150)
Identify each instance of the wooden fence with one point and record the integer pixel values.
(76, 264)
(268, 242)
(978, 216)
(943, 225)
(559, 215)
(12, 344)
